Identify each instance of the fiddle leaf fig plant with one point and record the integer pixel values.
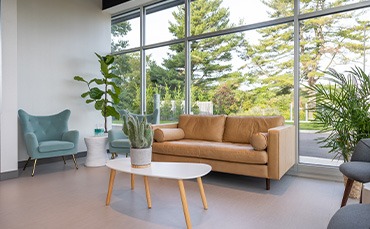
(103, 92)
(342, 109)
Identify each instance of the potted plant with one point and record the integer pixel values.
(140, 134)
(100, 89)
(342, 109)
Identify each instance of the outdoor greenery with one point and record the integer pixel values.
(343, 110)
(103, 91)
(263, 84)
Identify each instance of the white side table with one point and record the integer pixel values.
(366, 193)
(96, 151)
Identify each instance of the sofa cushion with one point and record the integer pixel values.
(259, 141)
(168, 134)
(203, 127)
(222, 151)
(239, 129)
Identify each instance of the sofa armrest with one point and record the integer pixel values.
(166, 125)
(281, 150)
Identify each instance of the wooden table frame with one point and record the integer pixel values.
(148, 198)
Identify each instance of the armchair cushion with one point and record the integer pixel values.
(168, 134)
(121, 143)
(48, 146)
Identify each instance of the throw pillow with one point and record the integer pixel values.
(259, 141)
(168, 134)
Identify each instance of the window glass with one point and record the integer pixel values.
(215, 15)
(166, 77)
(162, 25)
(248, 73)
(125, 34)
(308, 6)
(128, 66)
(339, 42)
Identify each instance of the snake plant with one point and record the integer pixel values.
(139, 132)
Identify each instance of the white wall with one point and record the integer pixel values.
(8, 109)
(56, 41)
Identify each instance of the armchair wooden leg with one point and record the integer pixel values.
(74, 160)
(64, 159)
(114, 155)
(34, 166)
(26, 163)
(347, 190)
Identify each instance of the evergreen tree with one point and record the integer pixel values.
(210, 57)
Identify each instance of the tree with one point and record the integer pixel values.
(324, 41)
(210, 57)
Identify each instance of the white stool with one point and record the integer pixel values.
(96, 151)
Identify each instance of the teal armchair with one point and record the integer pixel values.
(48, 136)
(118, 141)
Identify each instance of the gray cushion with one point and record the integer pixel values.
(355, 216)
(356, 170)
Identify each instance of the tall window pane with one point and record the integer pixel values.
(166, 77)
(128, 66)
(248, 73)
(337, 41)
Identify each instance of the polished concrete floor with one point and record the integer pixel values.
(58, 196)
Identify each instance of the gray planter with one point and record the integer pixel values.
(141, 158)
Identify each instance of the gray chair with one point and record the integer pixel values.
(358, 169)
(118, 141)
(48, 136)
(354, 216)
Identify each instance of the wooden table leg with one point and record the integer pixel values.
(132, 181)
(202, 194)
(110, 186)
(147, 191)
(184, 204)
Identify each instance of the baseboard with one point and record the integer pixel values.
(8, 175)
(51, 159)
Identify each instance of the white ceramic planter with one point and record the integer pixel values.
(141, 158)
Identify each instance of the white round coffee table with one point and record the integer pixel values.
(169, 170)
(96, 151)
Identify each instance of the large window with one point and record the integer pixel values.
(239, 58)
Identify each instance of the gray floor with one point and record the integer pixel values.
(61, 197)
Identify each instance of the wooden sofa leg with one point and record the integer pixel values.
(347, 190)
(267, 184)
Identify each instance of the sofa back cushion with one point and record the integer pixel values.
(239, 129)
(203, 127)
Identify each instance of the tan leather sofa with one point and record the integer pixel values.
(259, 146)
